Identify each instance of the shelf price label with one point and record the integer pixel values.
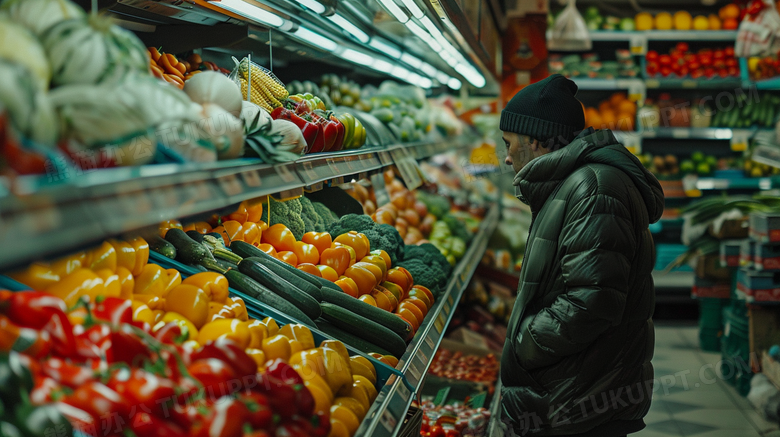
(739, 140)
(681, 133)
(380, 191)
(251, 178)
(230, 185)
(441, 396)
(638, 45)
(309, 171)
(285, 173)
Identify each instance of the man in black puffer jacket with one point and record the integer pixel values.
(577, 356)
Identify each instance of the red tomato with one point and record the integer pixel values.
(682, 46)
(652, 55)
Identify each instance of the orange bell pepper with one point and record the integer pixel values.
(350, 250)
(267, 248)
(199, 227)
(230, 230)
(125, 254)
(189, 301)
(214, 284)
(240, 214)
(294, 331)
(349, 286)
(141, 254)
(238, 307)
(126, 282)
(365, 280)
(327, 363)
(306, 253)
(82, 282)
(251, 233)
(328, 273)
(376, 271)
(262, 225)
(288, 257)
(254, 210)
(320, 240)
(279, 237)
(356, 241)
(174, 280)
(167, 225)
(377, 261)
(103, 257)
(385, 256)
(310, 269)
(336, 258)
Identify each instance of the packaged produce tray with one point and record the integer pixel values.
(759, 286)
(704, 288)
(729, 253)
(766, 257)
(746, 250)
(259, 310)
(765, 227)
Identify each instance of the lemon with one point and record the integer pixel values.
(682, 20)
(643, 21)
(663, 21)
(701, 23)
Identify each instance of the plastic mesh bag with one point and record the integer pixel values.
(759, 34)
(569, 32)
(268, 95)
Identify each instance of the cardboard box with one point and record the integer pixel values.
(746, 253)
(766, 257)
(708, 267)
(729, 253)
(759, 286)
(703, 288)
(735, 228)
(765, 227)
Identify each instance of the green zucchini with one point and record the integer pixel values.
(364, 328)
(304, 281)
(384, 318)
(281, 286)
(164, 248)
(348, 338)
(251, 288)
(195, 235)
(190, 252)
(225, 264)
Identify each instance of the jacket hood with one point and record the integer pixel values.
(537, 180)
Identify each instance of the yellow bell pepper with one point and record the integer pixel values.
(103, 257)
(38, 276)
(259, 357)
(111, 283)
(339, 414)
(126, 282)
(78, 316)
(353, 405)
(82, 282)
(214, 309)
(363, 382)
(189, 301)
(239, 308)
(326, 363)
(295, 346)
(356, 392)
(257, 333)
(142, 313)
(338, 429)
(339, 348)
(192, 331)
(214, 284)
(311, 378)
(363, 367)
(166, 225)
(271, 325)
(125, 254)
(152, 280)
(300, 333)
(156, 303)
(322, 402)
(141, 254)
(66, 265)
(174, 280)
(191, 345)
(232, 329)
(158, 315)
(277, 346)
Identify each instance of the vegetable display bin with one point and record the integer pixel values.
(758, 286)
(412, 423)
(705, 288)
(665, 254)
(711, 323)
(735, 352)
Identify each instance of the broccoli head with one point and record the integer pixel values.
(383, 237)
(428, 254)
(457, 227)
(351, 222)
(437, 205)
(430, 276)
(311, 219)
(395, 240)
(325, 214)
(287, 213)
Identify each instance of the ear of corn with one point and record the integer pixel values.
(256, 96)
(261, 79)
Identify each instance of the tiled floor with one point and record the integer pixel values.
(691, 399)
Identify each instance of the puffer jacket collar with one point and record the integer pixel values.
(539, 178)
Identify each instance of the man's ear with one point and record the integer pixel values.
(535, 145)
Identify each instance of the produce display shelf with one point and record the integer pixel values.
(385, 417)
(48, 217)
(679, 279)
(586, 83)
(707, 84)
(664, 35)
(768, 84)
(765, 183)
(494, 430)
(698, 133)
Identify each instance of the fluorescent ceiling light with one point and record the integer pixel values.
(471, 74)
(454, 83)
(356, 57)
(442, 77)
(413, 8)
(452, 62)
(387, 49)
(349, 27)
(418, 31)
(425, 82)
(430, 26)
(400, 72)
(395, 11)
(411, 60)
(433, 45)
(314, 5)
(252, 12)
(382, 65)
(315, 39)
(428, 69)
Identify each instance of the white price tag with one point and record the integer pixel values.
(681, 132)
(739, 140)
(690, 84)
(230, 185)
(251, 178)
(308, 168)
(285, 173)
(638, 45)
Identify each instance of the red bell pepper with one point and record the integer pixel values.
(100, 401)
(293, 429)
(45, 391)
(321, 424)
(283, 397)
(81, 420)
(226, 419)
(147, 425)
(339, 144)
(39, 310)
(65, 373)
(284, 373)
(170, 333)
(114, 310)
(261, 416)
(227, 351)
(127, 347)
(218, 378)
(144, 389)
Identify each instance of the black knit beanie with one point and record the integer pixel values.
(544, 110)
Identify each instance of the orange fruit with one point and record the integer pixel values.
(715, 23)
(730, 24)
(288, 257)
(627, 106)
(608, 119)
(595, 120)
(279, 237)
(367, 298)
(410, 318)
(616, 98)
(348, 286)
(419, 294)
(418, 303)
(418, 314)
(306, 253)
(328, 273)
(729, 11)
(606, 105)
(625, 121)
(310, 269)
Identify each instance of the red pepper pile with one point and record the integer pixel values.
(454, 421)
(112, 375)
(682, 63)
(456, 365)
(322, 131)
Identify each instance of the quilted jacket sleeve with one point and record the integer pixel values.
(596, 247)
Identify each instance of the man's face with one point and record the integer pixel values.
(520, 150)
